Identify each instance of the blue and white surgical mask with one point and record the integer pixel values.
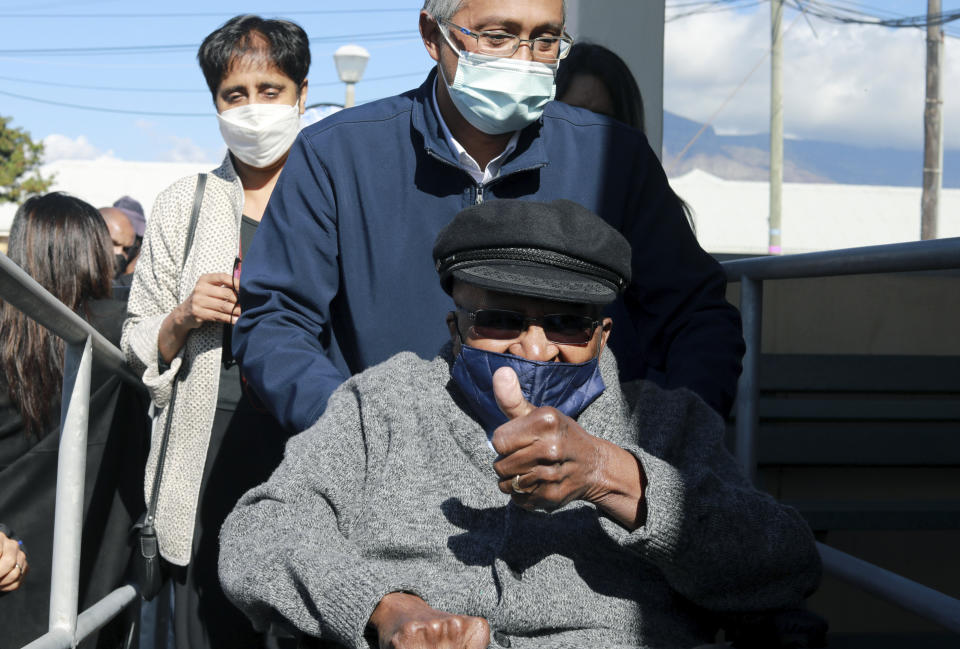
(500, 95)
(568, 387)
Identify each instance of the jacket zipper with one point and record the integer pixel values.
(480, 187)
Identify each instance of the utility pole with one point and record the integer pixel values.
(776, 125)
(932, 127)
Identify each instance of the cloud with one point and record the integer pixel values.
(176, 148)
(848, 83)
(63, 147)
(183, 149)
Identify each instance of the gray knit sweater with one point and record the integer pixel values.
(393, 489)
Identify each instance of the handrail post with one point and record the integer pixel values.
(72, 461)
(751, 313)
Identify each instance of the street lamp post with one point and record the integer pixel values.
(350, 60)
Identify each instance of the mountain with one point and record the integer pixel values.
(747, 157)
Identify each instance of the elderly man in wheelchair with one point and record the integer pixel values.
(512, 492)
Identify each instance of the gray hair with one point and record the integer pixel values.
(444, 9)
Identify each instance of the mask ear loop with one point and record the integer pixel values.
(599, 346)
(453, 46)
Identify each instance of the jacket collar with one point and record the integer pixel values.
(228, 174)
(529, 154)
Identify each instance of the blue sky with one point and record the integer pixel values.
(869, 96)
(171, 82)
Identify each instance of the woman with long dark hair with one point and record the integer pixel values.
(595, 78)
(63, 243)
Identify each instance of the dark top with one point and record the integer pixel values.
(113, 492)
(342, 276)
(121, 287)
(231, 390)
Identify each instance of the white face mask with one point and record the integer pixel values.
(499, 95)
(259, 134)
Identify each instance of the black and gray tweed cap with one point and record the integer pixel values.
(558, 251)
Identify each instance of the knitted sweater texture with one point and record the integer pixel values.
(393, 489)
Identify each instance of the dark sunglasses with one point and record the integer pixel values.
(559, 328)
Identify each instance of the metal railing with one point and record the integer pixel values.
(83, 345)
(941, 254)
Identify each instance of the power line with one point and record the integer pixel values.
(163, 49)
(676, 159)
(206, 14)
(839, 11)
(833, 12)
(123, 111)
(709, 7)
(102, 109)
(77, 86)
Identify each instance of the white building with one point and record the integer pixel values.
(730, 215)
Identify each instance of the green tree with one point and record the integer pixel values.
(20, 159)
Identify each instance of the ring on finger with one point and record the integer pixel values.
(20, 569)
(515, 486)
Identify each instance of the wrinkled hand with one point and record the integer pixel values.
(548, 460)
(557, 461)
(13, 564)
(212, 300)
(405, 621)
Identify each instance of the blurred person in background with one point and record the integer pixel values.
(128, 253)
(133, 210)
(125, 249)
(595, 78)
(63, 243)
(181, 311)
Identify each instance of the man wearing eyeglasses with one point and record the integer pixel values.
(512, 491)
(339, 278)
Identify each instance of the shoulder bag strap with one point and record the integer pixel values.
(191, 230)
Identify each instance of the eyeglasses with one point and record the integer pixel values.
(503, 44)
(559, 328)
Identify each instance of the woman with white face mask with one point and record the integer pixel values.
(182, 307)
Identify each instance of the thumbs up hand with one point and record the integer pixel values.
(546, 458)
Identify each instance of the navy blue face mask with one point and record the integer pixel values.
(568, 387)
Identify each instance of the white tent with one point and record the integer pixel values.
(101, 182)
(730, 215)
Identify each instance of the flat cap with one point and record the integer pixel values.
(558, 251)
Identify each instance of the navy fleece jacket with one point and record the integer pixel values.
(340, 275)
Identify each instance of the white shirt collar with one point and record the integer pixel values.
(464, 159)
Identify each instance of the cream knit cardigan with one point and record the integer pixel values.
(157, 289)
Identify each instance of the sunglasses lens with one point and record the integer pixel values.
(568, 329)
(561, 328)
(499, 325)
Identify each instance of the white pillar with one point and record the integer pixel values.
(634, 30)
